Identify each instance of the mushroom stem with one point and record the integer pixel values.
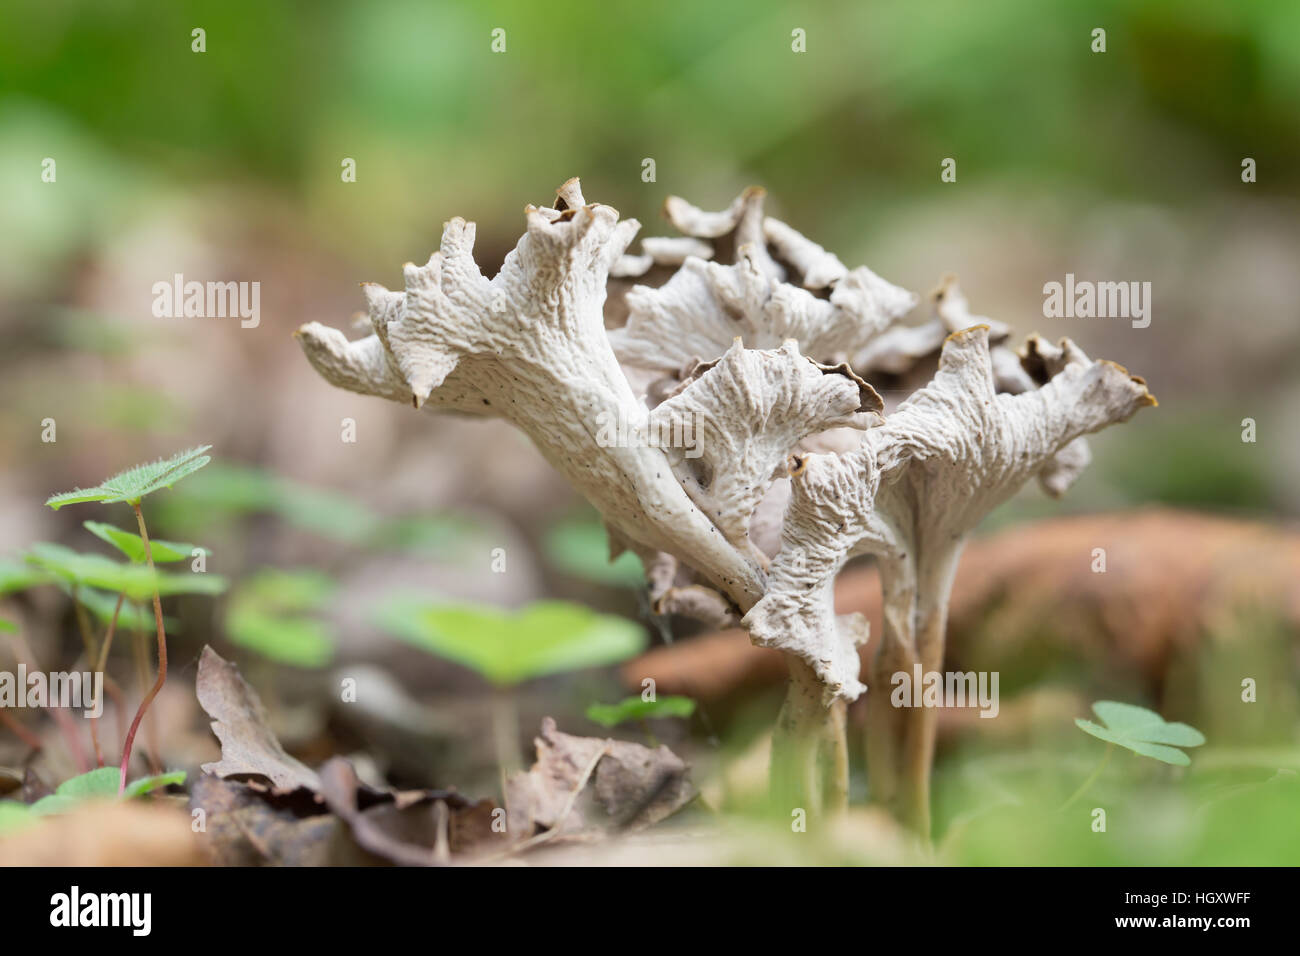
(810, 758)
(900, 741)
(917, 744)
(895, 653)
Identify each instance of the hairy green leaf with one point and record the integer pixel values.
(134, 483)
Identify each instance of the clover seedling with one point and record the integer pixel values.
(92, 580)
(1137, 729)
(130, 487)
(1142, 731)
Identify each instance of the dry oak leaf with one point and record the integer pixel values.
(248, 745)
(634, 786)
(249, 827)
(413, 828)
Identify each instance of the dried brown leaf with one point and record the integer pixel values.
(586, 785)
(415, 828)
(248, 746)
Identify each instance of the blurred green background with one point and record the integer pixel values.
(1123, 164)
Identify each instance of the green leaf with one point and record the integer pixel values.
(581, 548)
(93, 570)
(1142, 724)
(134, 483)
(132, 616)
(100, 784)
(634, 708)
(191, 583)
(234, 489)
(435, 535)
(132, 545)
(15, 576)
(282, 589)
(297, 641)
(545, 638)
(325, 513)
(229, 490)
(54, 803)
(8, 626)
(269, 614)
(14, 815)
(86, 330)
(237, 490)
(145, 785)
(1143, 731)
(136, 581)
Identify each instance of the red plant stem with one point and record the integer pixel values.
(140, 652)
(25, 735)
(162, 655)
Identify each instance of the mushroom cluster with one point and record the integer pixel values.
(783, 463)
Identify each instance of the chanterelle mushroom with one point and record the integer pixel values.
(752, 375)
